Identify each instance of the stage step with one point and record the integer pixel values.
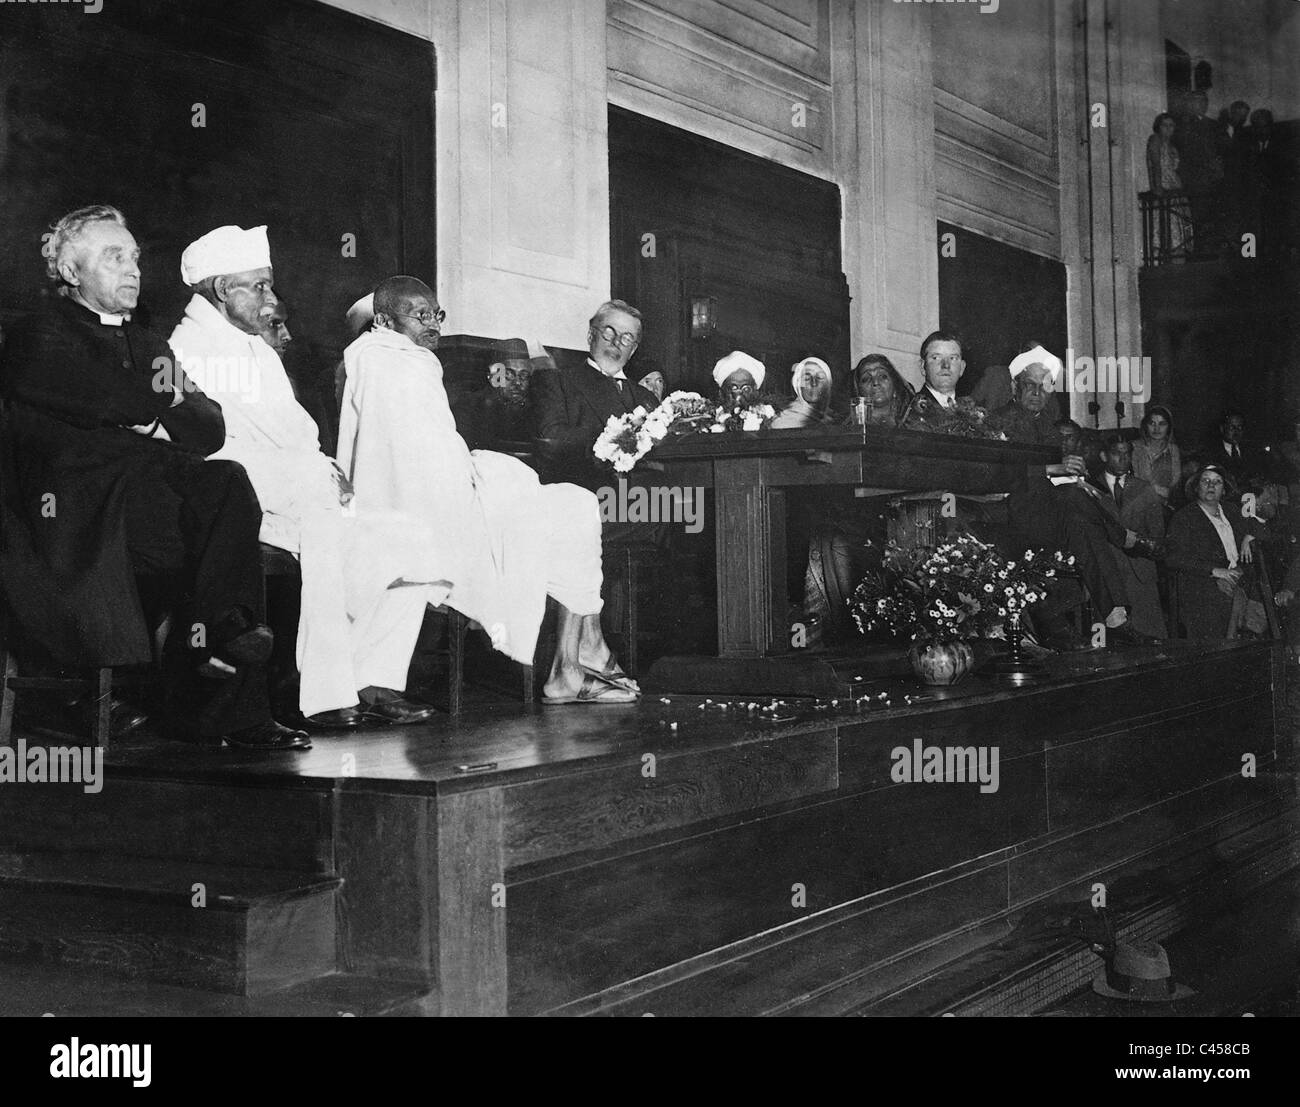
(207, 822)
(44, 989)
(245, 931)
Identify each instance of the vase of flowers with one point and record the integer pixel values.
(941, 663)
(940, 599)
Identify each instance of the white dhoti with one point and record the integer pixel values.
(501, 539)
(363, 598)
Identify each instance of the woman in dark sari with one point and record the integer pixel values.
(883, 392)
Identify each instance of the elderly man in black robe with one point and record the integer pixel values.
(103, 477)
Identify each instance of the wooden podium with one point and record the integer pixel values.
(750, 476)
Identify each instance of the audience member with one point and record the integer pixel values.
(652, 380)
(1209, 543)
(882, 388)
(1162, 174)
(738, 377)
(570, 407)
(103, 477)
(1156, 457)
(811, 381)
(1031, 415)
(1201, 169)
(497, 417)
(497, 541)
(362, 597)
(1247, 464)
(1132, 502)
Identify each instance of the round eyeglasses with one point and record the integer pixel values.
(624, 341)
(425, 317)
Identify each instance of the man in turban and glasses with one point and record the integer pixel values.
(103, 480)
(363, 600)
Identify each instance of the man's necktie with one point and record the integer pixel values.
(1119, 491)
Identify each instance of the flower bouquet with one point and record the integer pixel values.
(627, 438)
(966, 419)
(752, 418)
(962, 589)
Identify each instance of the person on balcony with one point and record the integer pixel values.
(1173, 231)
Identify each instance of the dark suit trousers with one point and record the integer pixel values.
(201, 519)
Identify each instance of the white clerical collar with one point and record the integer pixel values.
(619, 376)
(113, 320)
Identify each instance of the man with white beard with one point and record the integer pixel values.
(501, 540)
(361, 607)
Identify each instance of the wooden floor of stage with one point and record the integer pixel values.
(502, 738)
(648, 851)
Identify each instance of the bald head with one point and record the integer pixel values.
(408, 306)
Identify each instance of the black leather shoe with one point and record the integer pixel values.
(345, 718)
(123, 716)
(270, 737)
(398, 712)
(1125, 635)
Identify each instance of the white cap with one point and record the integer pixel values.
(1036, 356)
(225, 250)
(362, 313)
(735, 361)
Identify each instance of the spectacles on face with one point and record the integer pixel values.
(624, 341)
(425, 317)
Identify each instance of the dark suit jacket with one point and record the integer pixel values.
(1140, 511)
(570, 408)
(70, 474)
(1253, 464)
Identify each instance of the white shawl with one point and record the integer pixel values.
(478, 513)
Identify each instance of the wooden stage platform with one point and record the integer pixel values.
(671, 858)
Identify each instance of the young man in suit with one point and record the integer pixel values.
(1136, 506)
(571, 407)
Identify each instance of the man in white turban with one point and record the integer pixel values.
(738, 377)
(501, 541)
(361, 608)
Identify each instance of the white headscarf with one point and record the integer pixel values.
(797, 371)
(735, 361)
(228, 249)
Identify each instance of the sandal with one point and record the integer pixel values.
(595, 689)
(614, 675)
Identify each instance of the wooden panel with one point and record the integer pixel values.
(996, 318)
(681, 900)
(310, 114)
(554, 818)
(996, 163)
(735, 72)
(1101, 778)
(471, 928)
(381, 847)
(743, 546)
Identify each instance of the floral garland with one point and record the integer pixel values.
(962, 589)
(627, 438)
(752, 418)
